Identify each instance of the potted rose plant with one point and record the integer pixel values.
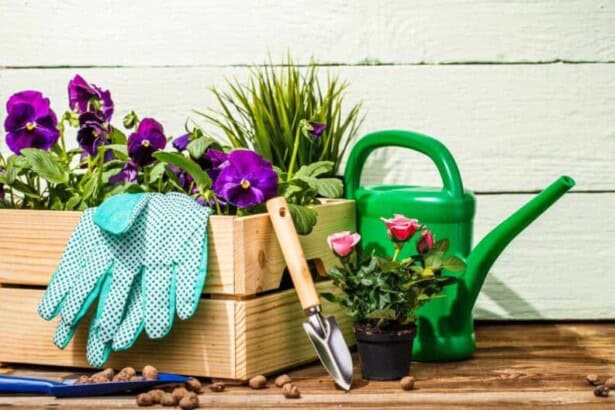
(383, 295)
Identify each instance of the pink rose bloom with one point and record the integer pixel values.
(342, 243)
(400, 228)
(425, 242)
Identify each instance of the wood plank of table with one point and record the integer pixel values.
(516, 365)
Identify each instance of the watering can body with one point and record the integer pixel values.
(445, 326)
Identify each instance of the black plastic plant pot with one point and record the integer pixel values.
(385, 355)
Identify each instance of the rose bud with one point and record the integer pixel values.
(342, 243)
(400, 228)
(425, 242)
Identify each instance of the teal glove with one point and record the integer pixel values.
(85, 266)
(154, 263)
(173, 270)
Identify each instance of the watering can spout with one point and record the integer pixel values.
(487, 251)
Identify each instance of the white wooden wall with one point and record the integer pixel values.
(521, 91)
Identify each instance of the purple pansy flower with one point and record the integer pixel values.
(148, 139)
(247, 180)
(127, 174)
(30, 122)
(181, 143)
(92, 132)
(214, 161)
(184, 179)
(317, 129)
(86, 97)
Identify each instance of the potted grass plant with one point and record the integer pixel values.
(289, 115)
(383, 295)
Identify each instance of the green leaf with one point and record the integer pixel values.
(384, 314)
(330, 297)
(25, 189)
(46, 165)
(156, 172)
(441, 245)
(117, 137)
(120, 151)
(197, 147)
(447, 280)
(329, 187)
(315, 169)
(303, 217)
(416, 269)
(90, 186)
(174, 158)
(288, 190)
(453, 264)
(388, 266)
(73, 202)
(433, 261)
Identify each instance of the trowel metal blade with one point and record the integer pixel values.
(329, 343)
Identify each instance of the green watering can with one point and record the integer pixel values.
(445, 326)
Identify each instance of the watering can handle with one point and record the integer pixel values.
(434, 149)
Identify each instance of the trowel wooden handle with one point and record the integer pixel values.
(293, 253)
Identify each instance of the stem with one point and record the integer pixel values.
(62, 142)
(101, 164)
(398, 247)
(293, 158)
(218, 210)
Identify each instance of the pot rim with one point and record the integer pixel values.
(390, 336)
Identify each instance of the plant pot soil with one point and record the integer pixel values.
(385, 354)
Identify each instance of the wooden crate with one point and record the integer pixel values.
(236, 333)
(244, 256)
(231, 339)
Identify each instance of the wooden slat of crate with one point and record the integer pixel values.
(244, 256)
(225, 339)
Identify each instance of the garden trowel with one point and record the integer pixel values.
(324, 333)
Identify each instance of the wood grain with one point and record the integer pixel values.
(537, 365)
(225, 339)
(244, 255)
(340, 31)
(515, 130)
(259, 260)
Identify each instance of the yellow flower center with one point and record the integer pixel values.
(30, 126)
(245, 184)
(95, 133)
(146, 143)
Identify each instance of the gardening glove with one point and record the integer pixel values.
(84, 268)
(172, 276)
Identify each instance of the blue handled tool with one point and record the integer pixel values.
(68, 388)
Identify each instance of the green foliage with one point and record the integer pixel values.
(270, 113)
(303, 189)
(274, 114)
(387, 292)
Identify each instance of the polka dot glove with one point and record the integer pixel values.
(86, 266)
(170, 281)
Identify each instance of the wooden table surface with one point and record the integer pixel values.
(524, 365)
